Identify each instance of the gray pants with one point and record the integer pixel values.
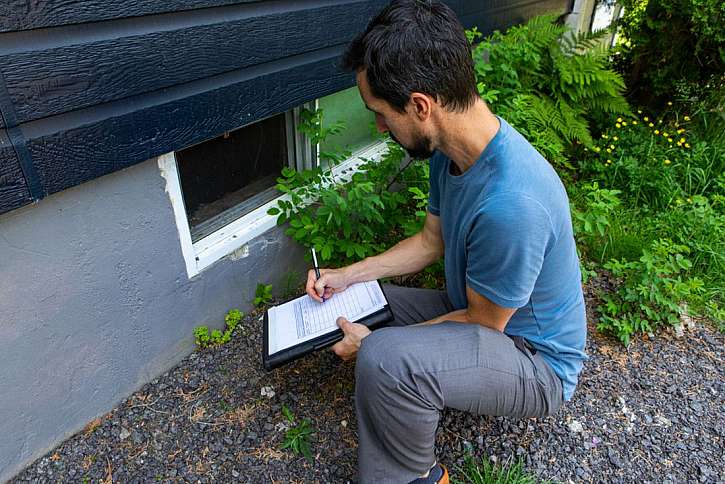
(405, 375)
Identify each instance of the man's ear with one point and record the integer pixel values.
(421, 105)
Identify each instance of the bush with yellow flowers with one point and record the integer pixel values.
(669, 177)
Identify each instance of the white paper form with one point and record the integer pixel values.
(303, 319)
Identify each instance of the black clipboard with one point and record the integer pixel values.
(270, 362)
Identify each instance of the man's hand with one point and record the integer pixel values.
(350, 344)
(331, 281)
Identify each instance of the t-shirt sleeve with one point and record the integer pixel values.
(506, 245)
(434, 190)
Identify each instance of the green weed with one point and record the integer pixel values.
(263, 294)
(651, 291)
(484, 471)
(216, 337)
(297, 436)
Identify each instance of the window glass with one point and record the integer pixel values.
(347, 106)
(603, 15)
(224, 178)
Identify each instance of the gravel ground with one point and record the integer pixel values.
(649, 413)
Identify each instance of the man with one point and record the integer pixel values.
(507, 337)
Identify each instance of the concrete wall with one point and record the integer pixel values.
(95, 302)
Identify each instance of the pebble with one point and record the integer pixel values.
(575, 426)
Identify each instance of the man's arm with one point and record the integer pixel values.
(481, 311)
(406, 257)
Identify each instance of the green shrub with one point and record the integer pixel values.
(670, 42)
(654, 160)
(650, 291)
(599, 204)
(548, 82)
(349, 220)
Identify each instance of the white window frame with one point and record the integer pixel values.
(232, 239)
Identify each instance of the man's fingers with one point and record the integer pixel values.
(344, 324)
(310, 287)
(320, 286)
(340, 349)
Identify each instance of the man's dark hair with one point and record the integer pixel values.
(415, 46)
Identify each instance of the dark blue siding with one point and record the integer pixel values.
(88, 88)
(13, 189)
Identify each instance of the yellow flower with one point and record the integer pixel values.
(669, 103)
(624, 123)
(667, 162)
(639, 111)
(604, 136)
(634, 121)
(651, 125)
(597, 149)
(657, 131)
(615, 138)
(687, 145)
(669, 139)
(609, 161)
(611, 146)
(689, 200)
(619, 120)
(618, 125)
(609, 150)
(686, 118)
(680, 131)
(646, 118)
(659, 121)
(682, 140)
(665, 134)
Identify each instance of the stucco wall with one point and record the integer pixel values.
(95, 301)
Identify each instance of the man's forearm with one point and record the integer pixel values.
(408, 256)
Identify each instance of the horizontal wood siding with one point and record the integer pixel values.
(13, 189)
(90, 71)
(94, 86)
(171, 125)
(32, 14)
(501, 14)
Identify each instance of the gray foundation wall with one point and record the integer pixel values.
(95, 301)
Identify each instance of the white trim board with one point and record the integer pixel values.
(232, 239)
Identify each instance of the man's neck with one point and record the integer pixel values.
(464, 136)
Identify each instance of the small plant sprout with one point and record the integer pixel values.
(263, 294)
(297, 436)
(205, 339)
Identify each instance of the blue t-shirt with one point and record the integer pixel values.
(508, 235)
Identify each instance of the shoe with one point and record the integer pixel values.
(438, 475)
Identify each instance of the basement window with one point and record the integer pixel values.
(229, 176)
(222, 188)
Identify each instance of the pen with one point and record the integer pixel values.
(317, 269)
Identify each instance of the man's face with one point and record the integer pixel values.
(400, 126)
